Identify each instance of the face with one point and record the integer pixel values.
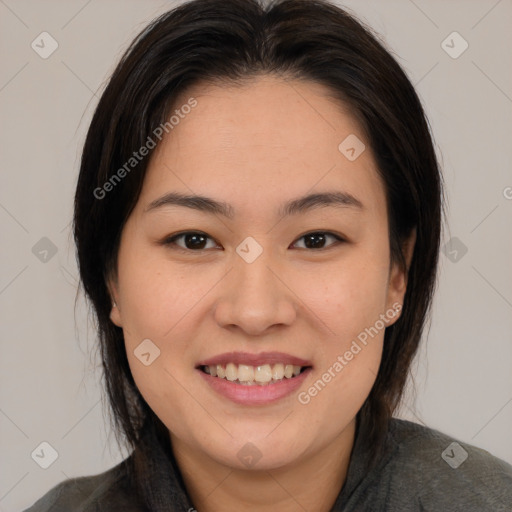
(258, 277)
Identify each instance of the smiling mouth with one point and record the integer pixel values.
(246, 375)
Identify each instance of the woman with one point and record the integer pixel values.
(257, 221)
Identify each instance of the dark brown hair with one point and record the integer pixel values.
(233, 41)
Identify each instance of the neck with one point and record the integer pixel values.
(312, 483)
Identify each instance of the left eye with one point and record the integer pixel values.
(318, 239)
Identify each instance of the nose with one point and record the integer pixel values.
(255, 298)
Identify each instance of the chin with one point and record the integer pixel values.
(248, 452)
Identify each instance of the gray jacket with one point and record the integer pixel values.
(421, 469)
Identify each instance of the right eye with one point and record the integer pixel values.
(191, 241)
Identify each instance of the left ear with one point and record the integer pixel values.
(398, 276)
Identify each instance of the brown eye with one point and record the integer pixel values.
(318, 239)
(192, 241)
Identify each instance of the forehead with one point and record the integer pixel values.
(267, 111)
(265, 140)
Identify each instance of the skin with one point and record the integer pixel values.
(255, 147)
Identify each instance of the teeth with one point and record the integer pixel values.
(278, 371)
(253, 375)
(231, 372)
(245, 373)
(263, 373)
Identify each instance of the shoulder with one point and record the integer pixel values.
(446, 473)
(106, 491)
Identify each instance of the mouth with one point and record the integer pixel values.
(254, 379)
(248, 375)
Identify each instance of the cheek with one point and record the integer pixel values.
(157, 294)
(347, 295)
(349, 298)
(162, 302)
(345, 374)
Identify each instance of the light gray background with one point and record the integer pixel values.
(49, 364)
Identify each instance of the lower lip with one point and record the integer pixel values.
(255, 394)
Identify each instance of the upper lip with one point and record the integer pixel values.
(254, 359)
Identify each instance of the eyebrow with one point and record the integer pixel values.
(293, 207)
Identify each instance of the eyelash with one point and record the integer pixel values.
(171, 240)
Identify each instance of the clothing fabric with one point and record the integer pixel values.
(420, 469)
